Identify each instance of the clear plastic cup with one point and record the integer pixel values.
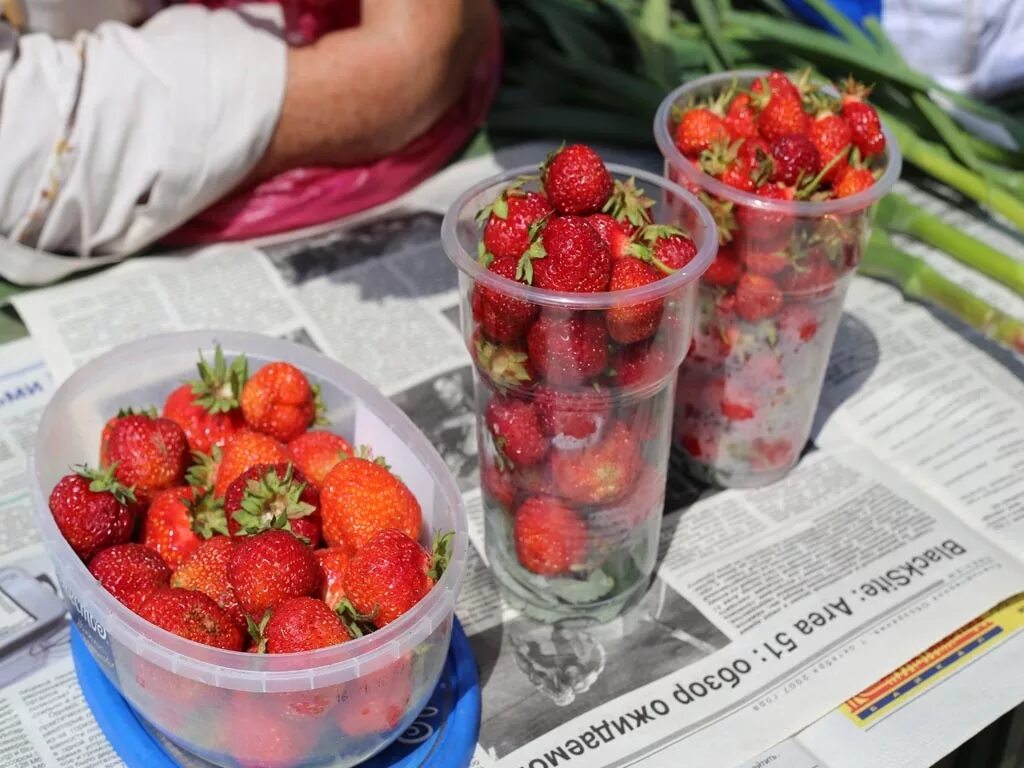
(746, 398)
(572, 518)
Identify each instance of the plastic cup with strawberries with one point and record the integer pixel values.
(577, 307)
(790, 171)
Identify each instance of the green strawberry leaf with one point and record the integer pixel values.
(219, 386)
(272, 502)
(202, 473)
(357, 624)
(258, 632)
(442, 555)
(104, 481)
(319, 409)
(206, 515)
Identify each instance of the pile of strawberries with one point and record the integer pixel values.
(561, 440)
(228, 521)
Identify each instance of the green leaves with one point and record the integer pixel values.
(358, 624)
(203, 472)
(524, 269)
(104, 481)
(258, 631)
(219, 386)
(442, 555)
(206, 515)
(272, 502)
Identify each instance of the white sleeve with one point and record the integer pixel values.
(114, 139)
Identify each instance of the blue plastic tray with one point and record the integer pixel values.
(442, 737)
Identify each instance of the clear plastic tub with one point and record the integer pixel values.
(572, 532)
(335, 706)
(747, 395)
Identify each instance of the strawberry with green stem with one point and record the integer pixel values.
(550, 537)
(569, 256)
(502, 317)
(504, 365)
(149, 454)
(93, 510)
(273, 497)
(508, 220)
(279, 401)
(576, 180)
(179, 519)
(865, 126)
(208, 409)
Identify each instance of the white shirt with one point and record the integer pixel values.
(113, 139)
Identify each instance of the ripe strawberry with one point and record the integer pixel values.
(269, 567)
(629, 205)
(765, 263)
(724, 269)
(273, 497)
(268, 740)
(360, 498)
(508, 221)
(568, 349)
(853, 181)
(832, 137)
(636, 321)
(507, 365)
(130, 572)
(814, 278)
(755, 151)
(179, 519)
(108, 429)
(770, 454)
(299, 624)
(782, 116)
(737, 404)
(244, 450)
(757, 297)
(724, 161)
(534, 480)
(502, 317)
(279, 401)
(617, 235)
(573, 258)
(207, 409)
(865, 127)
(550, 538)
(577, 415)
(698, 439)
(376, 702)
(698, 129)
(92, 510)
(314, 454)
(206, 571)
(391, 573)
(765, 231)
(601, 473)
(797, 323)
(497, 483)
(192, 615)
(640, 364)
(333, 561)
(740, 119)
(777, 84)
(794, 159)
(576, 180)
(149, 454)
(673, 249)
(516, 431)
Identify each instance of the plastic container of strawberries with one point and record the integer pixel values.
(335, 706)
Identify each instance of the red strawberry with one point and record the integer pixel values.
(391, 573)
(178, 520)
(108, 429)
(508, 222)
(699, 440)
(832, 137)
(740, 119)
(765, 231)
(777, 84)
(639, 365)
(853, 181)
(698, 129)
(206, 571)
(638, 320)
(573, 258)
(737, 404)
(279, 401)
(770, 454)
(497, 483)
(360, 498)
(516, 430)
(598, 474)
(269, 567)
(765, 263)
(794, 159)
(674, 249)
(92, 510)
(533, 480)
(150, 454)
(755, 151)
(273, 496)
(724, 161)
(208, 408)
(568, 349)
(617, 235)
(194, 616)
(130, 572)
(865, 127)
(244, 450)
(757, 297)
(576, 180)
(333, 561)
(782, 116)
(270, 740)
(577, 415)
(812, 279)
(376, 702)
(724, 269)
(550, 538)
(502, 317)
(300, 624)
(507, 365)
(797, 323)
(316, 453)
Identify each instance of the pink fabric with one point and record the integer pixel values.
(305, 197)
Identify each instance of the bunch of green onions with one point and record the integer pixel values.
(596, 70)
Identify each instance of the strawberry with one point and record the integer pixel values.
(572, 258)
(568, 349)
(740, 119)
(794, 159)
(576, 415)
(202, 475)
(865, 127)
(206, 571)
(333, 561)
(177, 521)
(207, 409)
(755, 151)
(797, 323)
(376, 702)
(765, 231)
(507, 365)
(314, 454)
(192, 615)
(615, 525)
(497, 483)
(814, 278)
(108, 429)
(600, 473)
(149, 454)
(699, 440)
(777, 84)
(770, 454)
(391, 573)
(508, 222)
(672, 248)
(781, 116)
(757, 297)
(360, 498)
(92, 510)
(737, 404)
(698, 129)
(269, 567)
(516, 431)
(273, 496)
(854, 181)
(639, 365)
(279, 401)
(832, 137)
(576, 180)
(550, 538)
(534, 480)
(130, 572)
(268, 739)
(724, 270)
(724, 161)
(633, 321)
(244, 450)
(765, 263)
(299, 624)
(617, 235)
(502, 317)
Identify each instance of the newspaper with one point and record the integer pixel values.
(769, 607)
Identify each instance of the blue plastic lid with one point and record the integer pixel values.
(443, 736)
